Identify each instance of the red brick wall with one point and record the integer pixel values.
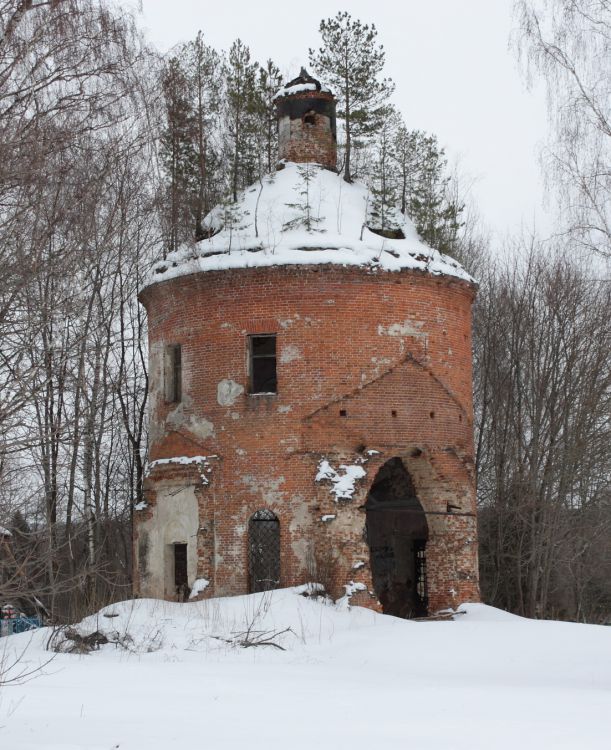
(390, 350)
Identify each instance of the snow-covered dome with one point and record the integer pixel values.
(303, 214)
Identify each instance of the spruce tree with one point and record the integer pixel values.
(382, 217)
(351, 61)
(306, 216)
(435, 213)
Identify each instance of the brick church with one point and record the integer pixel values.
(311, 411)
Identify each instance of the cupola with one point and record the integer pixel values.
(306, 122)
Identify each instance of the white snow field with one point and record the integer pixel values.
(349, 678)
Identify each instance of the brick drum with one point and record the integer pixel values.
(373, 372)
(367, 361)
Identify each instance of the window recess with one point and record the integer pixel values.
(262, 355)
(173, 373)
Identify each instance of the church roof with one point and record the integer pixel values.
(303, 214)
(303, 82)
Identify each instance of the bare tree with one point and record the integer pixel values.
(543, 386)
(568, 44)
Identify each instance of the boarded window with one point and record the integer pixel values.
(173, 373)
(263, 377)
(263, 551)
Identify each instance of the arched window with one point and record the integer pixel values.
(263, 551)
(309, 118)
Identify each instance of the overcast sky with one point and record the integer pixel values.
(450, 59)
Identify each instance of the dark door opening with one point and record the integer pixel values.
(397, 532)
(263, 551)
(181, 581)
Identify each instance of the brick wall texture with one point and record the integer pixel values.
(371, 365)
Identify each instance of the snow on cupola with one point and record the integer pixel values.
(306, 122)
(305, 213)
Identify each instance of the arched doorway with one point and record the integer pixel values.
(397, 532)
(263, 551)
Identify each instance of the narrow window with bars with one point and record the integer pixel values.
(262, 355)
(420, 565)
(173, 373)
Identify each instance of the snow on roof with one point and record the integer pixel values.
(299, 88)
(271, 226)
(303, 82)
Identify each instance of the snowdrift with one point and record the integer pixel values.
(344, 677)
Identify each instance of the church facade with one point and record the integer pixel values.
(310, 421)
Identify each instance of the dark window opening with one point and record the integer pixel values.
(343, 413)
(263, 551)
(394, 413)
(263, 378)
(309, 118)
(173, 373)
(181, 581)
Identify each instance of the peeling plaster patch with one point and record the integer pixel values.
(241, 452)
(200, 427)
(226, 325)
(227, 391)
(343, 485)
(269, 490)
(235, 415)
(284, 409)
(286, 323)
(329, 302)
(407, 328)
(289, 353)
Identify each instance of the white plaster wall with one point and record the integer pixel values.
(175, 520)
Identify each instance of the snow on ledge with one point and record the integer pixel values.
(343, 484)
(268, 226)
(203, 462)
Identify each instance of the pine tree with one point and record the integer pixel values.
(177, 149)
(269, 81)
(243, 107)
(202, 66)
(351, 61)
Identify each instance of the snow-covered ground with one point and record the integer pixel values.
(349, 678)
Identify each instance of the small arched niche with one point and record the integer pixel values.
(263, 551)
(397, 533)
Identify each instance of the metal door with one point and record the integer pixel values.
(263, 551)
